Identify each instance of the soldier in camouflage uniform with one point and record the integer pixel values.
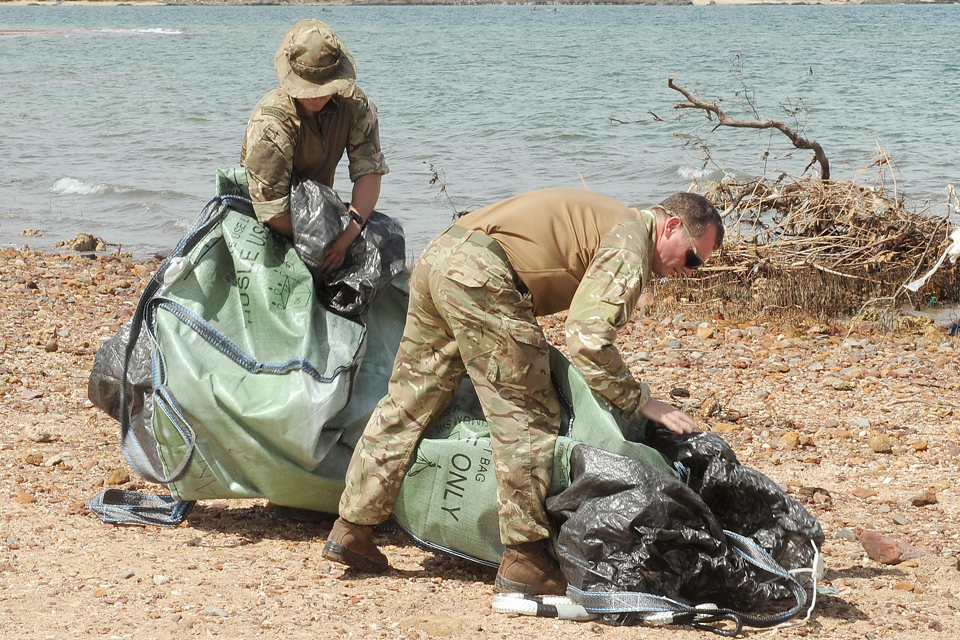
(303, 127)
(475, 295)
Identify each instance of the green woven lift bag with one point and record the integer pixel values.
(258, 390)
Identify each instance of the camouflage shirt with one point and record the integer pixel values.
(282, 141)
(604, 302)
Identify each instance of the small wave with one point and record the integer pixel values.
(74, 187)
(693, 174)
(159, 31)
(156, 31)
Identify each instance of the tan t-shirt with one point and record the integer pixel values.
(581, 250)
(551, 237)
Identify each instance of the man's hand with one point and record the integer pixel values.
(333, 258)
(668, 415)
(366, 191)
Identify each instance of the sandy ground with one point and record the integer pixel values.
(857, 458)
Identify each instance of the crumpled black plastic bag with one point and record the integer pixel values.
(744, 500)
(103, 386)
(106, 376)
(319, 217)
(749, 503)
(624, 526)
(694, 451)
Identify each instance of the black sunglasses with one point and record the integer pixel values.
(694, 261)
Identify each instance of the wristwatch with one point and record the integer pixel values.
(357, 218)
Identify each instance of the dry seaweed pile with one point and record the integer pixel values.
(822, 248)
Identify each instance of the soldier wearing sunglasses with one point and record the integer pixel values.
(475, 295)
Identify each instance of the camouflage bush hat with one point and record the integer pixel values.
(312, 61)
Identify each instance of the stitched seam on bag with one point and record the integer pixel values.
(169, 408)
(232, 351)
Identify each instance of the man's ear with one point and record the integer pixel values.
(672, 224)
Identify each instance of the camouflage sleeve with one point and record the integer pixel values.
(604, 302)
(268, 150)
(363, 143)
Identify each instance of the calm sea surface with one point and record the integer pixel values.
(114, 120)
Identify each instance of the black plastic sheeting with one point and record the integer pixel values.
(744, 500)
(104, 391)
(624, 526)
(372, 261)
(103, 386)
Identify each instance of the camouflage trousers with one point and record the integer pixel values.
(466, 316)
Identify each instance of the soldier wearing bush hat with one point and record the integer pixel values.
(303, 128)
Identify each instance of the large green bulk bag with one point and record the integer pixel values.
(249, 363)
(260, 391)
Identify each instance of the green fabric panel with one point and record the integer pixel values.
(449, 497)
(259, 432)
(232, 182)
(561, 464)
(384, 324)
(595, 424)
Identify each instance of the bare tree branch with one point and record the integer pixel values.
(439, 177)
(724, 120)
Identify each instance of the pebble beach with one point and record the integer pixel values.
(859, 421)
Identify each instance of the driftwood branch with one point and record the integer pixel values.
(724, 120)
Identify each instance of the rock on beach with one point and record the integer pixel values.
(886, 550)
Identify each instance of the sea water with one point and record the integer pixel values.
(114, 120)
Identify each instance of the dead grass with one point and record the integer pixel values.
(821, 248)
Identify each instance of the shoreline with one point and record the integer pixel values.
(942, 315)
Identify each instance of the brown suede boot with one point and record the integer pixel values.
(528, 568)
(352, 545)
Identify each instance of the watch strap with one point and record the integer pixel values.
(357, 218)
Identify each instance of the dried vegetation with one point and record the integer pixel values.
(822, 248)
(815, 246)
